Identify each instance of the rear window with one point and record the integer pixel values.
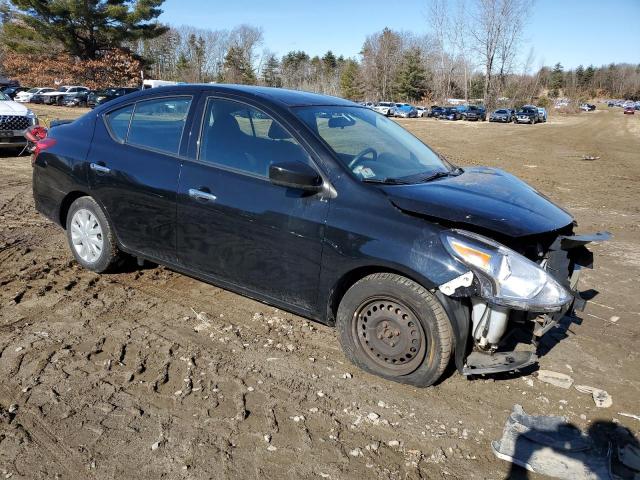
(157, 124)
(118, 121)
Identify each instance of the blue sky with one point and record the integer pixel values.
(571, 32)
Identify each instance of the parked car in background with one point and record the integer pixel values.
(542, 114)
(474, 113)
(15, 119)
(422, 111)
(405, 110)
(503, 115)
(587, 107)
(385, 108)
(325, 209)
(450, 113)
(57, 96)
(527, 115)
(76, 99)
(629, 110)
(12, 91)
(26, 96)
(103, 96)
(435, 111)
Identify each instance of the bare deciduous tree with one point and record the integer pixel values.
(496, 28)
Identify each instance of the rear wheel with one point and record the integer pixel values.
(392, 327)
(90, 236)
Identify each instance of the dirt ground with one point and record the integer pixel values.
(116, 376)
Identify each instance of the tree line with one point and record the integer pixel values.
(474, 50)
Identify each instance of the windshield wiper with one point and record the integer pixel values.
(436, 175)
(384, 181)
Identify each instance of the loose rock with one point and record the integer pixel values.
(555, 378)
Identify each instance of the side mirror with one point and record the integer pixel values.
(295, 175)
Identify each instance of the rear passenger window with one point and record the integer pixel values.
(118, 121)
(158, 124)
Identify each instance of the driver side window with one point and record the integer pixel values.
(240, 137)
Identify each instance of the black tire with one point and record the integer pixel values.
(109, 256)
(383, 299)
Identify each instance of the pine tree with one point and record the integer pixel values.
(329, 61)
(350, 80)
(238, 68)
(270, 72)
(411, 77)
(85, 29)
(580, 76)
(557, 79)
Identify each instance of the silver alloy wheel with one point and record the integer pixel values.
(86, 235)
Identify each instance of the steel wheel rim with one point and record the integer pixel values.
(390, 335)
(86, 235)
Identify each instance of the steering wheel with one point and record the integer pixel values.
(360, 156)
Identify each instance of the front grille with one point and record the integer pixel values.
(14, 122)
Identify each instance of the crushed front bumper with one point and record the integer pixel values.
(566, 258)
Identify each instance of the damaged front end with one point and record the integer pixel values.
(524, 284)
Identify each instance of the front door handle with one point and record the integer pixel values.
(99, 168)
(200, 195)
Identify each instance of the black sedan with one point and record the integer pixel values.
(321, 207)
(450, 113)
(435, 111)
(103, 96)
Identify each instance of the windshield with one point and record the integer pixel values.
(32, 90)
(4, 96)
(371, 146)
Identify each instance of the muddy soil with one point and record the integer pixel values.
(149, 374)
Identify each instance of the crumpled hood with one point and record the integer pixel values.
(8, 107)
(485, 197)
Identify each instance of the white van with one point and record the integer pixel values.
(156, 83)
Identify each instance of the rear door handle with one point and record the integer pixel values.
(99, 168)
(200, 195)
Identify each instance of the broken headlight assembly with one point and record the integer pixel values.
(505, 277)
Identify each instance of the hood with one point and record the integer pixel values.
(487, 198)
(8, 107)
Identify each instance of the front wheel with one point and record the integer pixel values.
(392, 327)
(90, 236)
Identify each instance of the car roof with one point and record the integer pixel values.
(282, 96)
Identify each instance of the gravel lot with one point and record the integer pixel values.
(150, 374)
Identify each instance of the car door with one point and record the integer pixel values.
(236, 226)
(133, 171)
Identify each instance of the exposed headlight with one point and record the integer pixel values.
(31, 115)
(506, 277)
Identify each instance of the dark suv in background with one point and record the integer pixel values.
(528, 115)
(474, 113)
(322, 207)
